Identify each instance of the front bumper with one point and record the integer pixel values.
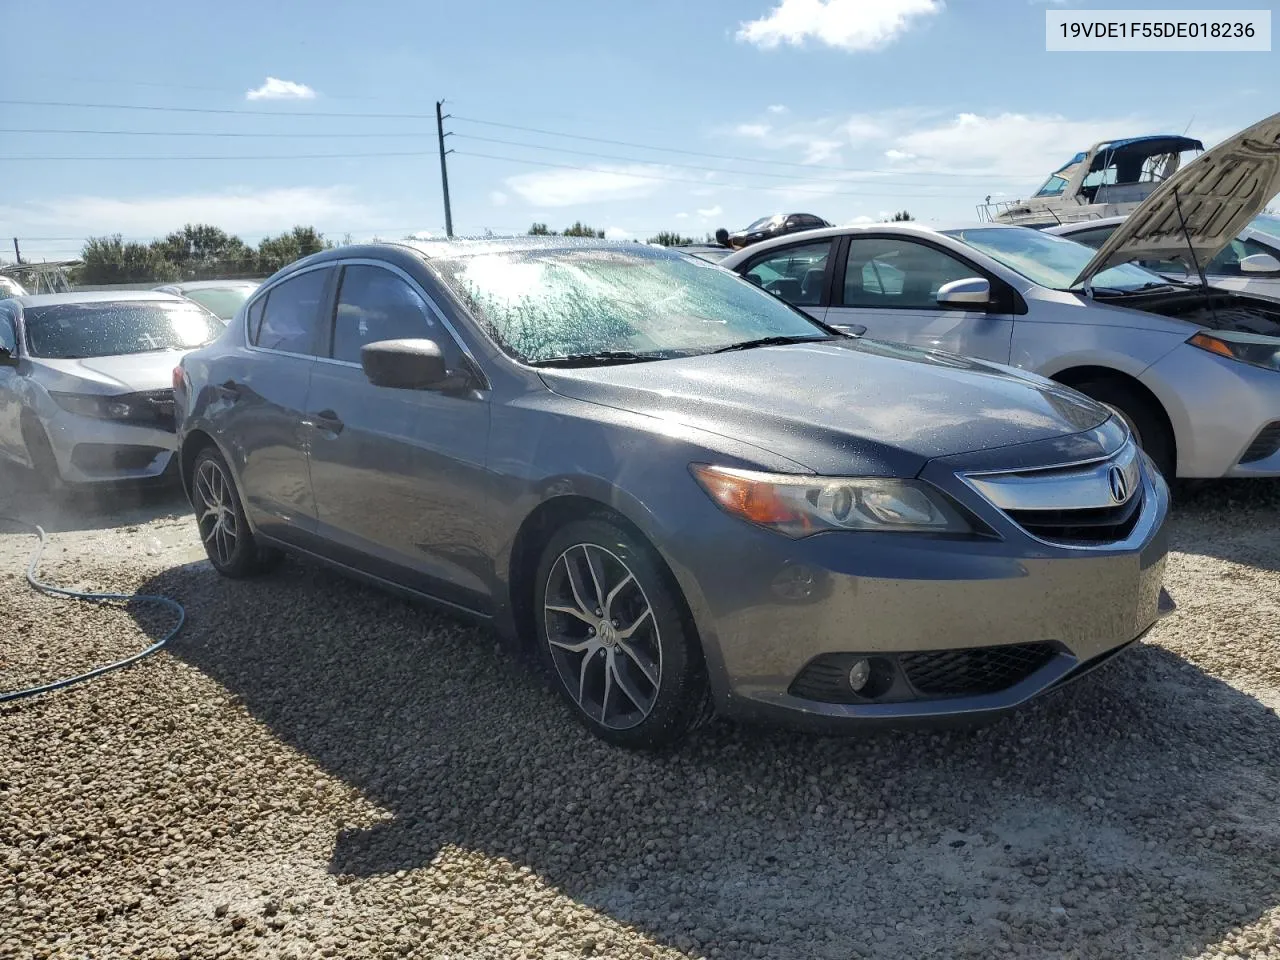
(1219, 408)
(91, 450)
(781, 603)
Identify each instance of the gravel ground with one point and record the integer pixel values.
(315, 769)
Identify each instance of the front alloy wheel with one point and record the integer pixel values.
(615, 632)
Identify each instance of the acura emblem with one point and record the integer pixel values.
(1119, 485)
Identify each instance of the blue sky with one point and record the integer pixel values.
(847, 108)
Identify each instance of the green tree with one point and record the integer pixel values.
(540, 230)
(111, 260)
(580, 229)
(201, 252)
(902, 217)
(277, 252)
(669, 238)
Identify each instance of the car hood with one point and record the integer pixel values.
(131, 373)
(1217, 194)
(852, 406)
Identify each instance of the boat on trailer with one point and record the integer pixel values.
(1109, 179)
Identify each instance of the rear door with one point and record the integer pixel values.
(398, 475)
(798, 273)
(265, 396)
(889, 284)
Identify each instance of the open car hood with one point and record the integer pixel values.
(1218, 193)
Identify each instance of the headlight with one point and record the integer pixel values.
(88, 405)
(1252, 348)
(802, 505)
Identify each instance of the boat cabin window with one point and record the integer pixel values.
(1053, 187)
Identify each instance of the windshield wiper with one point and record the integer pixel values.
(599, 358)
(769, 342)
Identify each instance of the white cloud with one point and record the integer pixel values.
(682, 216)
(845, 24)
(275, 89)
(618, 233)
(899, 155)
(758, 130)
(708, 212)
(859, 221)
(497, 198)
(243, 211)
(777, 108)
(819, 151)
(563, 188)
(1014, 143)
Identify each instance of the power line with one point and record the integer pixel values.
(204, 133)
(701, 183)
(698, 153)
(265, 156)
(223, 110)
(794, 177)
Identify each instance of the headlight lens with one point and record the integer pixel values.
(802, 505)
(1252, 348)
(88, 405)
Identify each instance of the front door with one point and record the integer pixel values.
(398, 475)
(890, 286)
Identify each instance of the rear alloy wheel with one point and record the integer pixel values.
(224, 531)
(613, 631)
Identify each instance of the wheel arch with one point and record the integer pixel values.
(1084, 374)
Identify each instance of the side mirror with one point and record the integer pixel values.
(752, 278)
(1259, 263)
(970, 292)
(407, 365)
(849, 329)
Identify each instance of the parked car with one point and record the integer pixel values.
(1194, 373)
(1249, 263)
(86, 388)
(221, 297)
(778, 225)
(677, 490)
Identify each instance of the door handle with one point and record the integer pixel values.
(229, 390)
(326, 420)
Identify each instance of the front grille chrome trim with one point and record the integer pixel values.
(1086, 486)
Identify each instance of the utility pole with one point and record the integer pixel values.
(444, 169)
(17, 254)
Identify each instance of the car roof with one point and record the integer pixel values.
(92, 296)
(208, 284)
(909, 228)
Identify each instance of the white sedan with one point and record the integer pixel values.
(1195, 372)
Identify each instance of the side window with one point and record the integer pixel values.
(375, 304)
(888, 272)
(255, 319)
(290, 318)
(796, 274)
(1227, 263)
(8, 333)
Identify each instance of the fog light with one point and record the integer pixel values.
(859, 674)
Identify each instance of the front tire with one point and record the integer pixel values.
(614, 633)
(1147, 423)
(224, 531)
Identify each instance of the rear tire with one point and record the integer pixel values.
(632, 672)
(1146, 421)
(224, 530)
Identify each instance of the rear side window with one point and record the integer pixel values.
(288, 319)
(374, 304)
(796, 274)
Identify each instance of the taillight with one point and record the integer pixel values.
(177, 379)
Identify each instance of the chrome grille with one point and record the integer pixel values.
(1088, 504)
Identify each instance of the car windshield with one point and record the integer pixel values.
(541, 305)
(66, 331)
(222, 301)
(1268, 223)
(1049, 260)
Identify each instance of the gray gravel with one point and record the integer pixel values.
(316, 769)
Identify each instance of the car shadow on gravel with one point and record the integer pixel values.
(1234, 520)
(1134, 814)
(97, 508)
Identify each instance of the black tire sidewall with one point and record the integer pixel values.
(682, 686)
(1156, 438)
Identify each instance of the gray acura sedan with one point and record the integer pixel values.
(680, 493)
